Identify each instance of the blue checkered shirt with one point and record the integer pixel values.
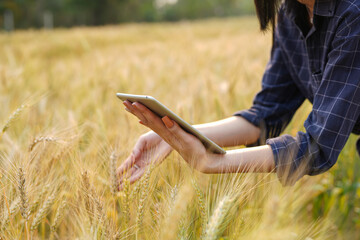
(322, 65)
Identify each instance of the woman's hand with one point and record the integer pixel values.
(187, 145)
(149, 149)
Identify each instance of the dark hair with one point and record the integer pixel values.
(266, 12)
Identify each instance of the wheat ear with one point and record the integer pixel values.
(202, 207)
(37, 201)
(126, 201)
(86, 194)
(101, 219)
(13, 117)
(43, 211)
(215, 223)
(99, 209)
(113, 179)
(179, 207)
(135, 190)
(58, 216)
(143, 195)
(41, 139)
(24, 204)
(14, 207)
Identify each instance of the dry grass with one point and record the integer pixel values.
(204, 71)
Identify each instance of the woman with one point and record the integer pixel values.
(315, 56)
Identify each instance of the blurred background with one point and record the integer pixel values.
(61, 122)
(22, 14)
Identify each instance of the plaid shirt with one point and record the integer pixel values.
(323, 66)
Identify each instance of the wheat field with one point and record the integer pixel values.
(63, 134)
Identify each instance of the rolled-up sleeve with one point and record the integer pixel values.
(336, 108)
(274, 106)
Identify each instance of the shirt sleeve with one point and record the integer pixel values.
(336, 108)
(274, 106)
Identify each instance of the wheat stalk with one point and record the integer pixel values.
(43, 211)
(58, 216)
(171, 221)
(92, 201)
(202, 207)
(126, 201)
(101, 221)
(41, 139)
(3, 202)
(113, 178)
(143, 195)
(13, 117)
(182, 230)
(155, 215)
(37, 201)
(135, 190)
(213, 228)
(174, 192)
(99, 209)
(12, 211)
(86, 194)
(24, 204)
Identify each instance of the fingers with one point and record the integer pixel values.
(183, 138)
(134, 177)
(127, 175)
(127, 164)
(130, 107)
(152, 120)
(146, 116)
(130, 161)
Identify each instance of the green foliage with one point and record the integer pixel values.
(30, 13)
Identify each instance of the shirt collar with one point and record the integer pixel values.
(324, 8)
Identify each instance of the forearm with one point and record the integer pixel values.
(255, 159)
(232, 131)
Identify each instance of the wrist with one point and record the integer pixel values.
(215, 163)
(169, 148)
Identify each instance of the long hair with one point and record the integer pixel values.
(266, 12)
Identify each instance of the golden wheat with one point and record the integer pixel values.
(204, 71)
(45, 208)
(24, 205)
(86, 193)
(216, 220)
(14, 207)
(202, 207)
(39, 197)
(13, 117)
(41, 139)
(142, 199)
(170, 224)
(126, 201)
(113, 177)
(58, 216)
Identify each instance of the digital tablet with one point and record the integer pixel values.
(162, 111)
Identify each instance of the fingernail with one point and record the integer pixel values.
(127, 109)
(167, 121)
(136, 105)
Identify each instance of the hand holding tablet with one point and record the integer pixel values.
(162, 111)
